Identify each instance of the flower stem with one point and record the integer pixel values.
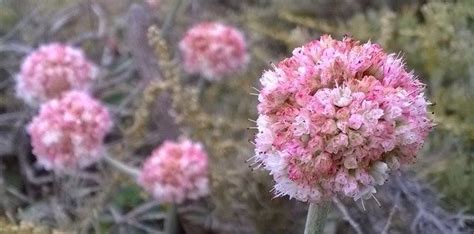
(171, 223)
(316, 218)
(130, 171)
(170, 18)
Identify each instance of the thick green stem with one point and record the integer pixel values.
(171, 223)
(316, 218)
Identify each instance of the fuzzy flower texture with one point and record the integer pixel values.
(51, 70)
(336, 117)
(68, 133)
(175, 172)
(213, 50)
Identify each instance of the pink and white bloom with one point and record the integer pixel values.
(68, 132)
(336, 117)
(213, 50)
(51, 70)
(176, 171)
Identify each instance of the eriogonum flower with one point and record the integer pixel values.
(213, 50)
(175, 172)
(336, 117)
(51, 70)
(68, 133)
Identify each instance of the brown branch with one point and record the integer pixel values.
(147, 63)
(139, 19)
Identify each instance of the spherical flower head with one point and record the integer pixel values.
(213, 50)
(68, 132)
(51, 70)
(336, 117)
(175, 172)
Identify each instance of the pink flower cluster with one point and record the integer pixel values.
(336, 117)
(175, 172)
(68, 133)
(51, 70)
(213, 50)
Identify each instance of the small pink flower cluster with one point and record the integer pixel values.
(336, 117)
(213, 50)
(176, 171)
(51, 70)
(68, 133)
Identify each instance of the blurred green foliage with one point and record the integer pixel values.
(7, 18)
(128, 196)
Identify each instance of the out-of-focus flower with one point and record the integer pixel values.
(176, 171)
(154, 3)
(68, 133)
(51, 70)
(336, 117)
(213, 50)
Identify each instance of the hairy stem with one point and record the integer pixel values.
(316, 218)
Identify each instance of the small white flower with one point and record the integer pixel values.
(380, 172)
(341, 97)
(301, 124)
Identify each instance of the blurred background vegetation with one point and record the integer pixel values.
(435, 37)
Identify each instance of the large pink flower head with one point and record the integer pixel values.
(213, 50)
(51, 70)
(68, 133)
(336, 117)
(176, 171)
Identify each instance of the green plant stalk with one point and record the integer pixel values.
(171, 223)
(170, 18)
(122, 167)
(316, 218)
